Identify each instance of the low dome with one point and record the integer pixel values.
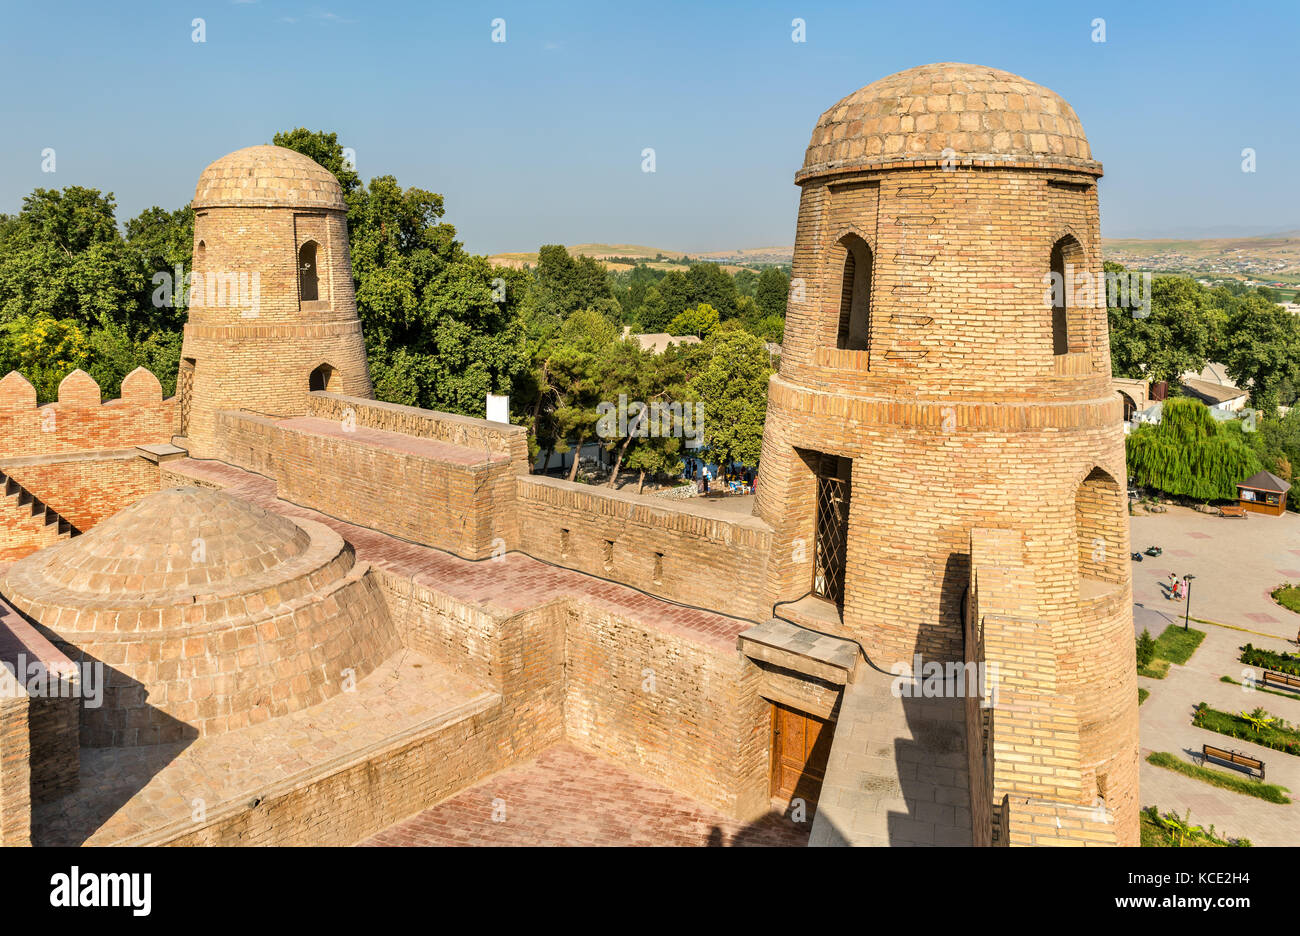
(179, 542)
(980, 114)
(269, 177)
(208, 612)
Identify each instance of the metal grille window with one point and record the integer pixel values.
(186, 393)
(831, 551)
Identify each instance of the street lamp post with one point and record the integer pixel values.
(1187, 611)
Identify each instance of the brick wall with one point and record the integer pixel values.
(86, 488)
(478, 434)
(260, 357)
(79, 422)
(691, 553)
(683, 714)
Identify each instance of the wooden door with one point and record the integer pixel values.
(801, 745)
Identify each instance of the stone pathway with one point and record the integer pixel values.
(1237, 563)
(897, 772)
(128, 791)
(1166, 725)
(569, 797)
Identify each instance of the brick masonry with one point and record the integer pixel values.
(958, 406)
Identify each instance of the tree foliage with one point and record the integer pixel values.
(1190, 454)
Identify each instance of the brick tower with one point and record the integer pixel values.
(272, 311)
(929, 386)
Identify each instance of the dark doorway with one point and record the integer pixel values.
(308, 290)
(320, 378)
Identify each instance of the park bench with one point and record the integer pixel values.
(1236, 758)
(1285, 680)
(1233, 512)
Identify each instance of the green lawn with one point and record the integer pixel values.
(1175, 645)
(1279, 735)
(1288, 596)
(1142, 695)
(1227, 781)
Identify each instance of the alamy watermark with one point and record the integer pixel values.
(651, 421)
(196, 290)
(952, 679)
(33, 678)
(1081, 289)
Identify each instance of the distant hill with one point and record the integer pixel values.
(1272, 259)
(741, 258)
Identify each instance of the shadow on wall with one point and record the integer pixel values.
(119, 772)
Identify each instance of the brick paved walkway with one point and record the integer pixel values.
(569, 797)
(511, 583)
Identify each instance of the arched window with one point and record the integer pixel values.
(855, 296)
(1101, 521)
(1066, 264)
(200, 254)
(307, 280)
(320, 378)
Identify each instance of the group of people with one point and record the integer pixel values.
(1177, 588)
(702, 475)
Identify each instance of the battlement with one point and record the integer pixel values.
(81, 421)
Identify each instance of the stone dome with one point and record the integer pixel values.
(984, 115)
(268, 177)
(177, 543)
(209, 613)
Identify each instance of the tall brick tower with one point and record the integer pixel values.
(929, 386)
(272, 312)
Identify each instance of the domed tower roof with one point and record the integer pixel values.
(180, 541)
(982, 115)
(268, 177)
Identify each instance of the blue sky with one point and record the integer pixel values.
(539, 139)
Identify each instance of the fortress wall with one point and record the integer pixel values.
(698, 555)
(42, 727)
(466, 509)
(684, 714)
(478, 434)
(86, 488)
(79, 421)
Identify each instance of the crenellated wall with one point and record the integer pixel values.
(80, 421)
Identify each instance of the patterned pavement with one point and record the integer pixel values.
(569, 797)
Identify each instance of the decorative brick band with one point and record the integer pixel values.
(228, 332)
(949, 415)
(980, 161)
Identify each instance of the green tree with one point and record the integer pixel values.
(732, 390)
(1190, 454)
(1146, 648)
(700, 321)
(771, 292)
(1175, 338)
(1260, 349)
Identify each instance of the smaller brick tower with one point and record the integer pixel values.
(272, 310)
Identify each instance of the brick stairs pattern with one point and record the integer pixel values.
(26, 522)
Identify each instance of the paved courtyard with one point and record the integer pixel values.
(1236, 564)
(568, 797)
